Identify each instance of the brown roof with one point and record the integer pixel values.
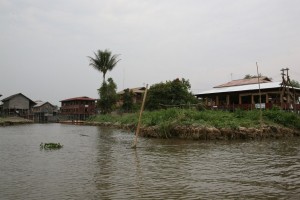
(249, 81)
(19, 94)
(134, 90)
(84, 98)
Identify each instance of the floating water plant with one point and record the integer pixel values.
(50, 146)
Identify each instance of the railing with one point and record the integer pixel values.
(78, 109)
(283, 106)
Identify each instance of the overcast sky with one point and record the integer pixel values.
(44, 44)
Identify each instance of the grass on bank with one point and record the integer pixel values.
(210, 118)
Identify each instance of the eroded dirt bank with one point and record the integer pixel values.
(208, 133)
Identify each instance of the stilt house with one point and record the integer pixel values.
(17, 105)
(44, 112)
(78, 108)
(250, 94)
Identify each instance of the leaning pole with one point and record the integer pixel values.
(140, 117)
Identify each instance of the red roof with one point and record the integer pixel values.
(79, 99)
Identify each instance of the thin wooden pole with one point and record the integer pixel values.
(260, 117)
(140, 117)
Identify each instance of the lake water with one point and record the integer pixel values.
(98, 163)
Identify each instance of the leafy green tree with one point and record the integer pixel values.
(108, 96)
(295, 83)
(104, 61)
(174, 92)
(248, 76)
(127, 101)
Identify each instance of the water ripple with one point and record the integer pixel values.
(103, 166)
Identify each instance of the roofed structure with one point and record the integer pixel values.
(246, 81)
(17, 104)
(137, 95)
(137, 90)
(249, 94)
(83, 98)
(78, 108)
(16, 95)
(44, 112)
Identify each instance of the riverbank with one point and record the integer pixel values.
(8, 121)
(206, 125)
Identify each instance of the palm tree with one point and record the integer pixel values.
(104, 61)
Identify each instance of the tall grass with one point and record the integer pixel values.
(167, 119)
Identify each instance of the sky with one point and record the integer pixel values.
(45, 44)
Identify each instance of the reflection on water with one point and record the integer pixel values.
(98, 163)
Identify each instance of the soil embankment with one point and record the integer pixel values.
(207, 133)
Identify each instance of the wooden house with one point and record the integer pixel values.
(17, 105)
(44, 112)
(246, 94)
(137, 95)
(78, 108)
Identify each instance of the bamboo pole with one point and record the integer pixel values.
(140, 117)
(260, 115)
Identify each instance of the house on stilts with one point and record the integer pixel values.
(44, 112)
(17, 105)
(77, 108)
(252, 93)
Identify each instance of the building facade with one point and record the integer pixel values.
(78, 108)
(44, 112)
(137, 95)
(17, 105)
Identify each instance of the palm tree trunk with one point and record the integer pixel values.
(103, 77)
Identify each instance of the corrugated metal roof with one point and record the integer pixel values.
(242, 88)
(40, 103)
(12, 96)
(246, 81)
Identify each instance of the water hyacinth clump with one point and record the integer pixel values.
(50, 146)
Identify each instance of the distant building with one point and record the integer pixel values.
(17, 105)
(246, 93)
(44, 112)
(78, 108)
(137, 95)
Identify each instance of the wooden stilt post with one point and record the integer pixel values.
(260, 117)
(140, 117)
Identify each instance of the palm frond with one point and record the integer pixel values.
(103, 61)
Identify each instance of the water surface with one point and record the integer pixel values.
(98, 163)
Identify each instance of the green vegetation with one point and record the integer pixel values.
(170, 93)
(50, 146)
(169, 118)
(104, 61)
(128, 104)
(108, 96)
(295, 83)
